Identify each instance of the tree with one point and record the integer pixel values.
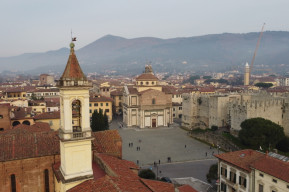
(213, 173)
(147, 174)
(207, 77)
(106, 125)
(283, 145)
(258, 132)
(264, 85)
(192, 79)
(99, 122)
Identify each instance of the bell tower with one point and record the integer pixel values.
(247, 74)
(74, 132)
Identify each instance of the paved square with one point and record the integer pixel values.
(161, 143)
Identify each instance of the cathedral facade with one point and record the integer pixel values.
(147, 104)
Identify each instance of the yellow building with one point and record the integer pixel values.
(103, 103)
(16, 93)
(38, 106)
(116, 95)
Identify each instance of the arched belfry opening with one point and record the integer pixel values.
(76, 116)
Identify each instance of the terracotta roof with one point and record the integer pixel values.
(186, 188)
(132, 90)
(100, 99)
(37, 127)
(48, 115)
(158, 185)
(123, 179)
(108, 142)
(20, 89)
(72, 70)
(116, 93)
(20, 143)
(147, 76)
(273, 166)
(242, 159)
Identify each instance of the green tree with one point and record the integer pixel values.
(258, 132)
(283, 145)
(106, 124)
(264, 85)
(213, 173)
(147, 174)
(98, 121)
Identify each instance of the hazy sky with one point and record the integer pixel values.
(42, 25)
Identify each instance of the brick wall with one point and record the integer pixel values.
(29, 174)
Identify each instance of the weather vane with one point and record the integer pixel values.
(72, 38)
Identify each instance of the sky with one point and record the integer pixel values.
(29, 26)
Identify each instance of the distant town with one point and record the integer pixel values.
(73, 132)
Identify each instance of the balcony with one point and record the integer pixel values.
(75, 135)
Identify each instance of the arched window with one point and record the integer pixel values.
(1, 129)
(76, 115)
(141, 83)
(147, 82)
(26, 123)
(46, 180)
(15, 123)
(153, 82)
(13, 183)
(154, 101)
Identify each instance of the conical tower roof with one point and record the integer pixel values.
(72, 70)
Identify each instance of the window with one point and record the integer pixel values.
(106, 104)
(174, 109)
(1, 116)
(46, 180)
(101, 104)
(180, 108)
(13, 183)
(274, 180)
(89, 104)
(153, 82)
(107, 110)
(261, 188)
(223, 187)
(242, 181)
(120, 97)
(233, 177)
(224, 171)
(147, 82)
(89, 110)
(261, 175)
(287, 186)
(141, 83)
(95, 104)
(153, 101)
(1, 129)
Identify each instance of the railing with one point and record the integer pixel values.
(75, 135)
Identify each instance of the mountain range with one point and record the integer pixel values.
(217, 52)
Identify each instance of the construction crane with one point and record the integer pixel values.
(256, 49)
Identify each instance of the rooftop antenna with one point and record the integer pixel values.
(72, 38)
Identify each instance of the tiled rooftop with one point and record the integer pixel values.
(147, 76)
(242, 159)
(186, 188)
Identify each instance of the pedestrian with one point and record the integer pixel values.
(129, 144)
(137, 162)
(185, 146)
(155, 164)
(159, 161)
(168, 159)
(213, 153)
(139, 148)
(206, 154)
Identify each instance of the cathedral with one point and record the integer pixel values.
(147, 104)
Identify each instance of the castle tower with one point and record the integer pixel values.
(74, 133)
(247, 74)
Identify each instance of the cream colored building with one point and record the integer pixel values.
(146, 104)
(253, 171)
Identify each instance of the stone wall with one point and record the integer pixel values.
(29, 174)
